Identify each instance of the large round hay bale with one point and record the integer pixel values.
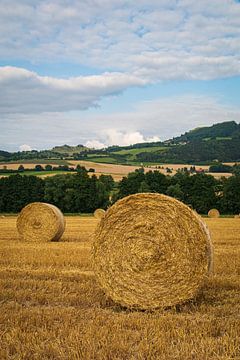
(213, 213)
(151, 251)
(40, 222)
(99, 213)
(236, 216)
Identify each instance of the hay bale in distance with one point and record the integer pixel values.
(151, 251)
(237, 216)
(213, 213)
(40, 222)
(99, 213)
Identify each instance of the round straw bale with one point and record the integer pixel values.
(213, 213)
(40, 222)
(99, 213)
(236, 216)
(151, 251)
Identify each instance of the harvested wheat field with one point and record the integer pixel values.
(52, 307)
(26, 164)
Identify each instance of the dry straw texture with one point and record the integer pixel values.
(151, 251)
(99, 213)
(40, 222)
(213, 213)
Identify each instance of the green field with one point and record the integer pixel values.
(140, 150)
(102, 159)
(37, 173)
(36, 161)
(224, 138)
(97, 155)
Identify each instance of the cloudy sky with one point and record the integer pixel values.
(103, 72)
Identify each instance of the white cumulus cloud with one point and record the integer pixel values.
(25, 147)
(115, 137)
(157, 39)
(24, 91)
(95, 144)
(161, 118)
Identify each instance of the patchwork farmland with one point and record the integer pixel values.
(117, 171)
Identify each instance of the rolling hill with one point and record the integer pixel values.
(219, 142)
(67, 150)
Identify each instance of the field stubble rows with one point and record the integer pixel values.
(52, 307)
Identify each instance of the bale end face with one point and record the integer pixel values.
(213, 213)
(151, 251)
(99, 213)
(40, 222)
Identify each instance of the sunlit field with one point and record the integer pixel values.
(52, 308)
(117, 171)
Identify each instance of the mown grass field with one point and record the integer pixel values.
(52, 308)
(102, 159)
(140, 150)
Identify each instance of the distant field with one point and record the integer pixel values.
(44, 174)
(219, 175)
(219, 138)
(34, 161)
(140, 150)
(30, 164)
(38, 173)
(103, 159)
(224, 138)
(52, 307)
(104, 167)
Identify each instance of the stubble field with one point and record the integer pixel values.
(115, 170)
(52, 308)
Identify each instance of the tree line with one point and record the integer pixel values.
(74, 193)
(71, 193)
(200, 191)
(39, 167)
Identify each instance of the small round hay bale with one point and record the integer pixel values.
(236, 216)
(151, 251)
(99, 213)
(40, 222)
(213, 213)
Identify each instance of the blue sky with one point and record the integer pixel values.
(114, 72)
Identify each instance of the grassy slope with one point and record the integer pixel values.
(52, 307)
(102, 159)
(130, 156)
(140, 150)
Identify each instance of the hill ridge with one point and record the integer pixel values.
(218, 142)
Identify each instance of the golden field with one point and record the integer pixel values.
(52, 308)
(115, 170)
